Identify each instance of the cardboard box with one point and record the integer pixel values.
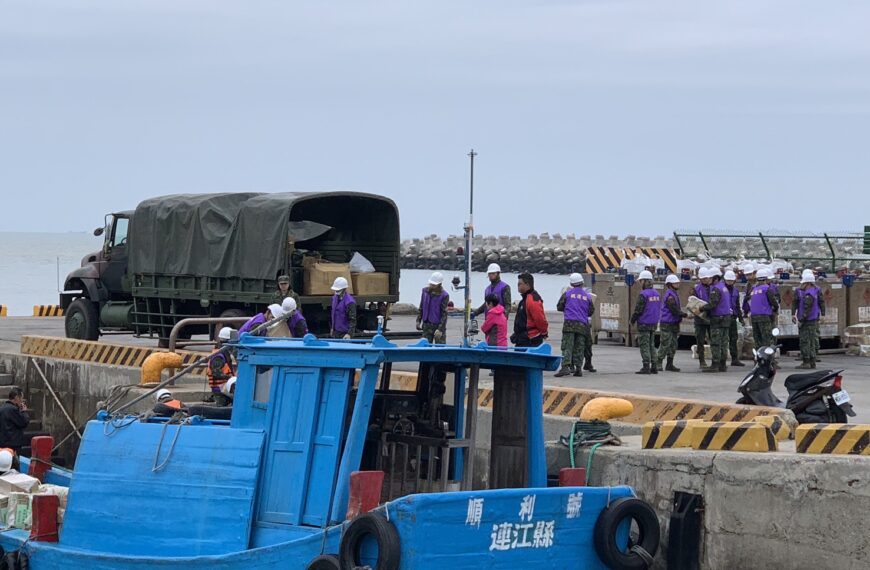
(14, 482)
(371, 283)
(320, 275)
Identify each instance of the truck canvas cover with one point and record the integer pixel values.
(222, 235)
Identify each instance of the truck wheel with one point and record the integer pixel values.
(227, 314)
(81, 320)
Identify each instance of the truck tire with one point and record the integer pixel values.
(227, 314)
(376, 526)
(81, 320)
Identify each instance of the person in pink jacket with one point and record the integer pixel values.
(495, 325)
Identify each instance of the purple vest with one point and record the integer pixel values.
(496, 290)
(577, 303)
(702, 292)
(340, 323)
(735, 299)
(668, 318)
(431, 306)
(814, 313)
(294, 322)
(252, 323)
(758, 303)
(652, 311)
(723, 309)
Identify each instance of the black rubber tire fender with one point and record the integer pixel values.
(89, 313)
(605, 533)
(324, 562)
(379, 528)
(23, 561)
(10, 560)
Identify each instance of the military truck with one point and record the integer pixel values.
(219, 255)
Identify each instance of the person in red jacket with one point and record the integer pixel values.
(495, 325)
(530, 325)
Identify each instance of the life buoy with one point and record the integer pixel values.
(376, 526)
(641, 552)
(324, 562)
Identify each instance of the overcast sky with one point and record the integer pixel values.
(610, 116)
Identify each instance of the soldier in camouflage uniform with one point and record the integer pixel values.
(284, 290)
(432, 315)
(702, 323)
(719, 310)
(646, 314)
(669, 324)
(763, 307)
(736, 317)
(576, 303)
(808, 307)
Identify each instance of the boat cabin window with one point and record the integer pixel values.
(262, 384)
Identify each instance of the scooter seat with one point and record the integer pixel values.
(806, 379)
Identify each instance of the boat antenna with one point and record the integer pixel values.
(469, 237)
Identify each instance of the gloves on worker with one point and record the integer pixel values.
(438, 335)
(346, 336)
(419, 325)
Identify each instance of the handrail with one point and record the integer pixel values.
(173, 336)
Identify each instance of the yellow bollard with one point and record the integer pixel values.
(155, 363)
(603, 409)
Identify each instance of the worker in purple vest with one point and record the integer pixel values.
(498, 288)
(736, 317)
(763, 307)
(702, 323)
(807, 309)
(646, 314)
(719, 310)
(432, 316)
(669, 324)
(297, 324)
(342, 323)
(576, 303)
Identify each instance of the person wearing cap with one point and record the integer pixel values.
(669, 324)
(496, 287)
(285, 291)
(749, 270)
(432, 315)
(342, 323)
(220, 367)
(495, 324)
(702, 323)
(736, 316)
(296, 324)
(576, 304)
(165, 404)
(763, 307)
(718, 308)
(807, 308)
(530, 325)
(646, 315)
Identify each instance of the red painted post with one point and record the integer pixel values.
(572, 477)
(44, 527)
(40, 457)
(365, 492)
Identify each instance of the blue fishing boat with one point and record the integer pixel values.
(317, 432)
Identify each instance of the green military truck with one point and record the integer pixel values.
(219, 255)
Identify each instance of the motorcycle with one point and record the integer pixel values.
(814, 397)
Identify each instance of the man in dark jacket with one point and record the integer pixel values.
(530, 326)
(13, 421)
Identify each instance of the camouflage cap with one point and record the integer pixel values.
(283, 279)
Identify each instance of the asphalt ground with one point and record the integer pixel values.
(616, 364)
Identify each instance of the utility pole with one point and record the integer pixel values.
(469, 237)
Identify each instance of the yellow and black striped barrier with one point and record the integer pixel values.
(732, 436)
(4, 311)
(47, 311)
(601, 258)
(98, 352)
(780, 430)
(835, 439)
(666, 254)
(668, 434)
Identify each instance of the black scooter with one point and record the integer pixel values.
(814, 397)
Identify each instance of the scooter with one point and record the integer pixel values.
(814, 397)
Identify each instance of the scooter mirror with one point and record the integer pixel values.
(775, 331)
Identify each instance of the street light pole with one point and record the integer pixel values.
(469, 236)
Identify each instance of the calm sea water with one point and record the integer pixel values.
(31, 262)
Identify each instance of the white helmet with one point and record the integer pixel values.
(288, 305)
(763, 273)
(715, 272)
(436, 279)
(645, 275)
(808, 276)
(748, 268)
(493, 268)
(5, 460)
(229, 387)
(161, 394)
(670, 279)
(276, 310)
(225, 333)
(339, 284)
(703, 273)
(730, 276)
(575, 279)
